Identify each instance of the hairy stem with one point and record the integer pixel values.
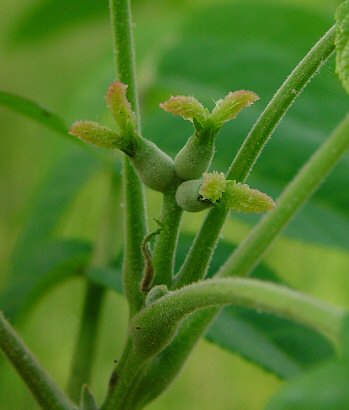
(251, 250)
(198, 260)
(154, 327)
(166, 242)
(170, 361)
(279, 105)
(131, 371)
(134, 203)
(46, 392)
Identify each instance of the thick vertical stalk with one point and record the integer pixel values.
(134, 203)
(166, 241)
(46, 392)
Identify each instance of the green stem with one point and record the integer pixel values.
(46, 392)
(198, 260)
(131, 371)
(86, 341)
(166, 242)
(279, 105)
(134, 203)
(201, 252)
(121, 22)
(154, 327)
(165, 367)
(251, 250)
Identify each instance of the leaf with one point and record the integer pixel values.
(48, 265)
(87, 401)
(37, 256)
(34, 111)
(323, 388)
(342, 43)
(71, 171)
(246, 55)
(48, 17)
(108, 277)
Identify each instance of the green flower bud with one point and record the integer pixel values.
(154, 167)
(188, 196)
(196, 155)
(199, 194)
(156, 293)
(241, 198)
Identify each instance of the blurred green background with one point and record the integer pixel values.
(59, 53)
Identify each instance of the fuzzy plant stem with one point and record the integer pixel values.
(197, 262)
(132, 371)
(166, 241)
(171, 360)
(155, 326)
(46, 392)
(134, 203)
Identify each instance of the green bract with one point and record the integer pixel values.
(241, 198)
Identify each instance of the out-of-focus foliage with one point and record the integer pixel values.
(200, 48)
(47, 17)
(322, 388)
(32, 110)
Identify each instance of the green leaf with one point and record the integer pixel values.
(342, 43)
(36, 245)
(49, 264)
(323, 388)
(246, 55)
(48, 17)
(34, 111)
(87, 401)
(108, 277)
